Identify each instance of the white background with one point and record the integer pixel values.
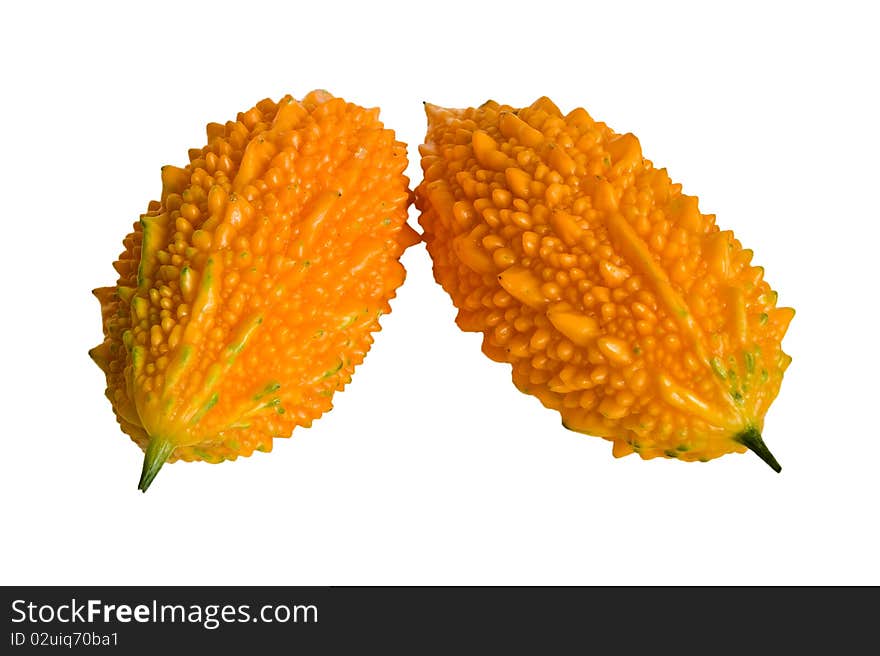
(432, 468)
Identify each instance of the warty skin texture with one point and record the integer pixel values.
(249, 292)
(616, 301)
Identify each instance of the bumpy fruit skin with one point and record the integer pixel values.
(249, 292)
(616, 301)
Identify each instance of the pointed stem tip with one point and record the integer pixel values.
(751, 439)
(155, 456)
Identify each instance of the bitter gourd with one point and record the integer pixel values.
(249, 292)
(617, 302)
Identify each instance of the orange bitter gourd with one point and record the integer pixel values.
(250, 291)
(616, 301)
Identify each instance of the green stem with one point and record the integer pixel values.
(751, 439)
(157, 453)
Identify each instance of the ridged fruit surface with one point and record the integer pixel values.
(617, 302)
(249, 292)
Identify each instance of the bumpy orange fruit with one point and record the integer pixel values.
(249, 292)
(617, 302)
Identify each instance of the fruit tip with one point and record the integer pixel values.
(157, 453)
(431, 110)
(752, 440)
